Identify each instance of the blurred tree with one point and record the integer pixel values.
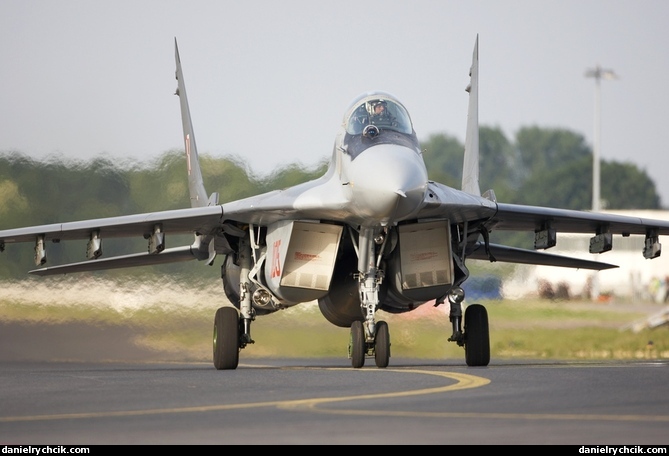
(625, 186)
(498, 163)
(568, 186)
(290, 175)
(443, 156)
(548, 148)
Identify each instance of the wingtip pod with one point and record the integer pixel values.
(470, 171)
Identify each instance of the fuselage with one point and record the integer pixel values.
(380, 163)
(376, 177)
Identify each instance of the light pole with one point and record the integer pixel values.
(598, 73)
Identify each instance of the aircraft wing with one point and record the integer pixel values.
(203, 220)
(515, 217)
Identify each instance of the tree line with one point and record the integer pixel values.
(541, 166)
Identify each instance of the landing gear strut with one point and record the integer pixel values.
(368, 337)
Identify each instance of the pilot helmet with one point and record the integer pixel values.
(377, 107)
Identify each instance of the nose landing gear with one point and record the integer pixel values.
(361, 345)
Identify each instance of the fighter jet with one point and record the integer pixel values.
(372, 233)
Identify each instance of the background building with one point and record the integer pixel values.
(636, 278)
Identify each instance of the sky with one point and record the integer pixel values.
(268, 81)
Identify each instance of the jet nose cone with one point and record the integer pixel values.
(388, 183)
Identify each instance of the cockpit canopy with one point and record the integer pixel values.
(379, 109)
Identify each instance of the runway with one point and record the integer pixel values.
(325, 401)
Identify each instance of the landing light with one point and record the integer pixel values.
(262, 298)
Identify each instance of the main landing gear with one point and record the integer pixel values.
(232, 327)
(476, 336)
(226, 338)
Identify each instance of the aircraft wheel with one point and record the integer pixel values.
(477, 336)
(382, 345)
(226, 338)
(357, 345)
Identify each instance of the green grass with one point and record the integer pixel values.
(536, 329)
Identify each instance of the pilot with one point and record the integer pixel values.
(380, 115)
(379, 109)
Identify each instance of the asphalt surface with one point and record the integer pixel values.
(325, 401)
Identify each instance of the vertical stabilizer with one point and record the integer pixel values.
(198, 194)
(470, 170)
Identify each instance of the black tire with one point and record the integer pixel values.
(226, 338)
(477, 336)
(382, 345)
(357, 345)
